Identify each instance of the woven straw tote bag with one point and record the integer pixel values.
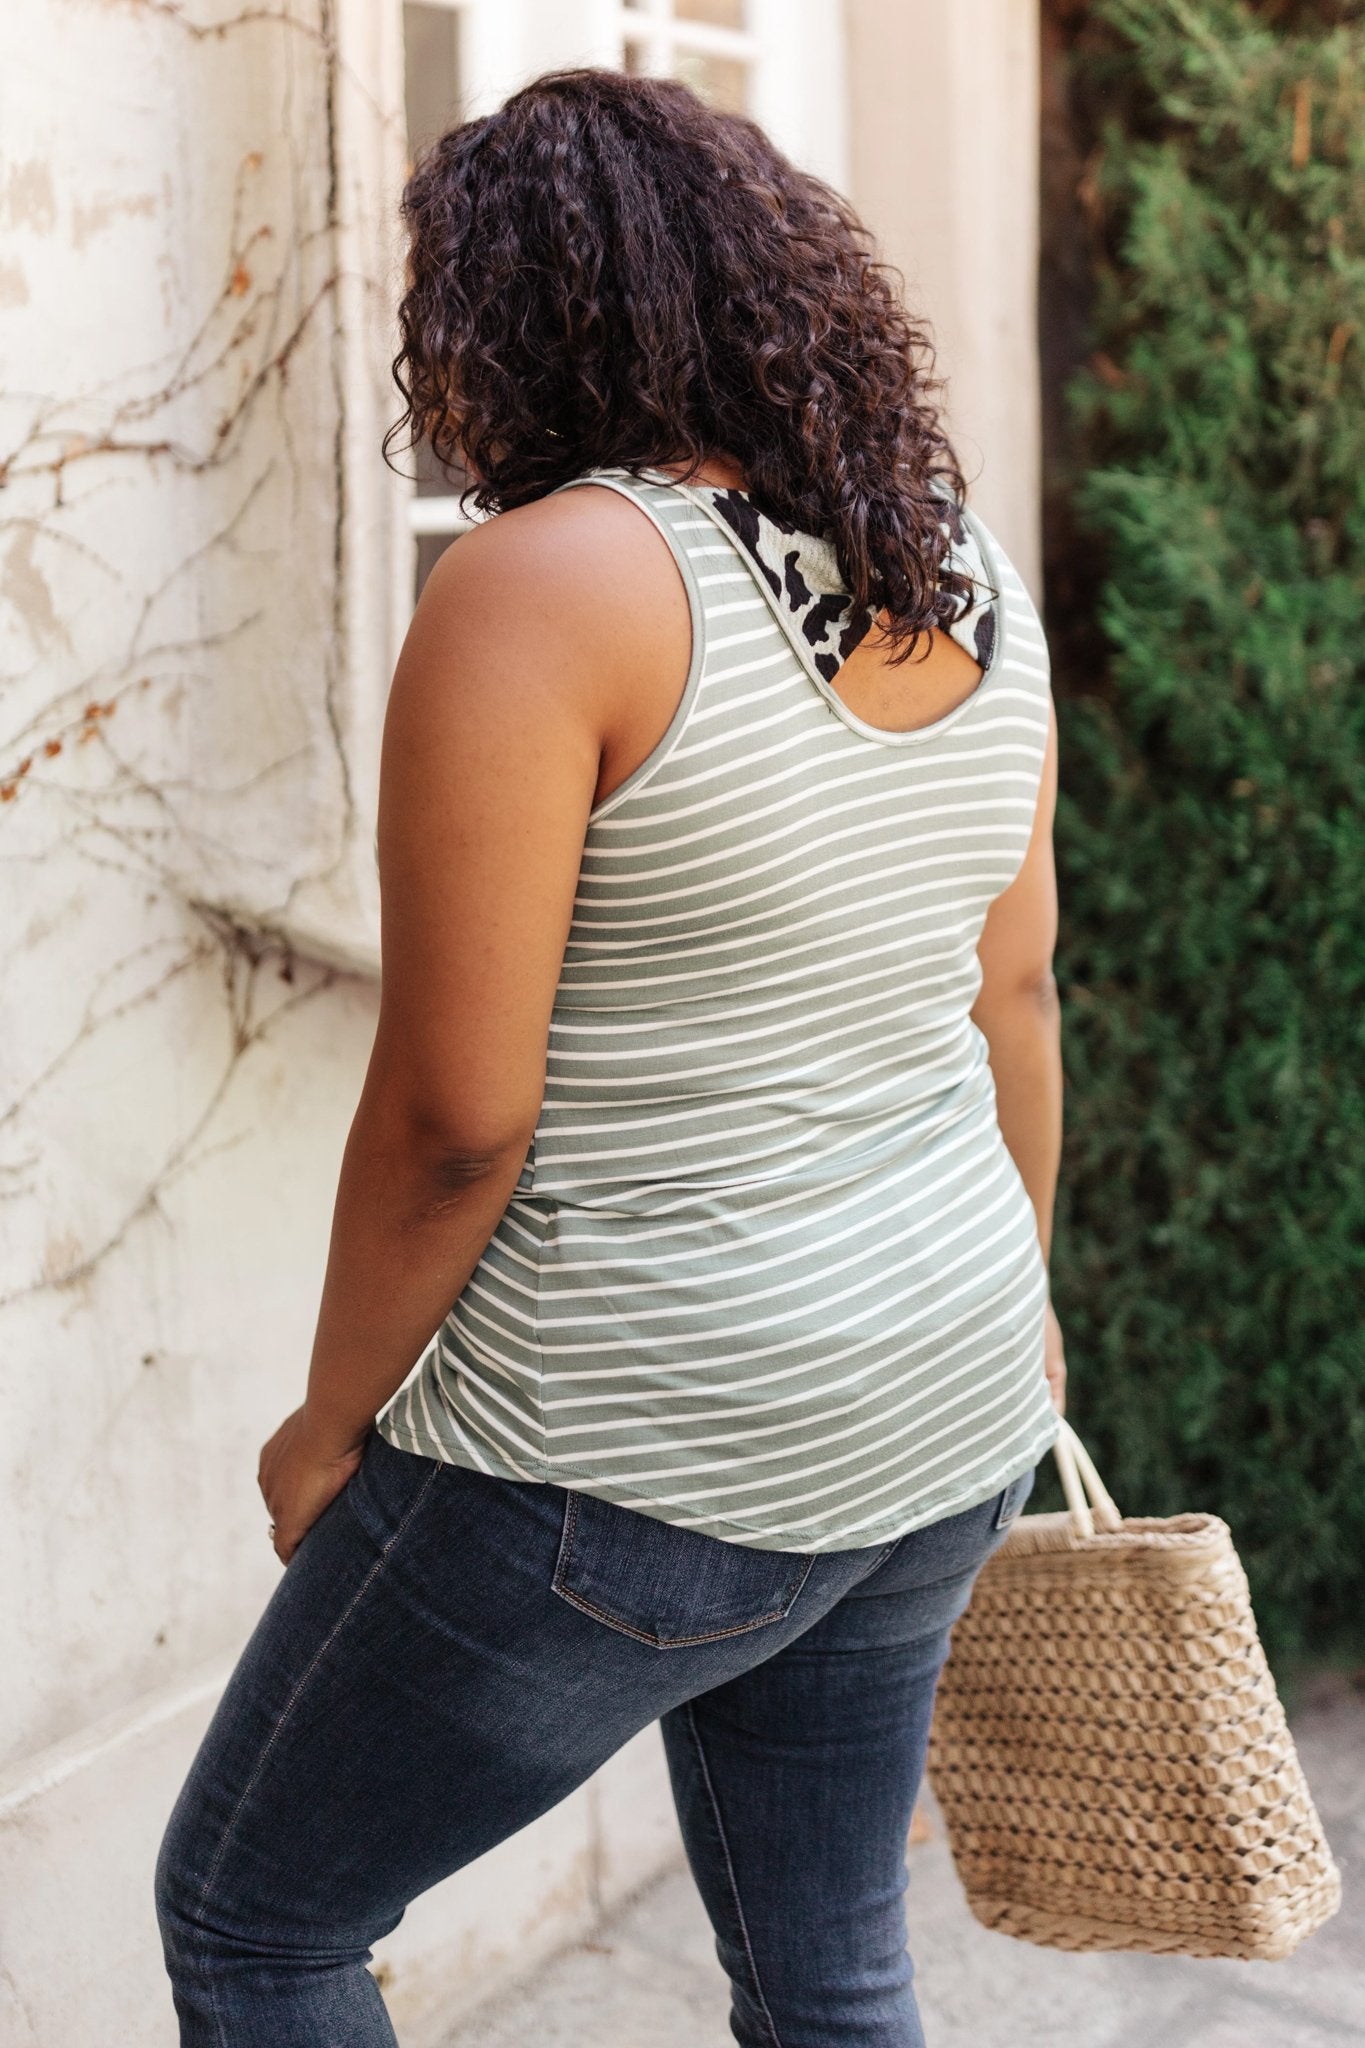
(1112, 1760)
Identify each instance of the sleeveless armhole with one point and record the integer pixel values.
(674, 729)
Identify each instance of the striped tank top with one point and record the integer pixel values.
(769, 1271)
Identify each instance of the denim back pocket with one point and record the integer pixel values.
(665, 1586)
(1011, 1501)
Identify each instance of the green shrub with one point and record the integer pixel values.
(1210, 1262)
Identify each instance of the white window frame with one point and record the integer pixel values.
(663, 35)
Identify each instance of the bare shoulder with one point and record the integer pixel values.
(567, 528)
(582, 573)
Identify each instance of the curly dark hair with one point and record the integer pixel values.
(608, 273)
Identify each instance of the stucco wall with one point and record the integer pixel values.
(176, 1085)
(943, 165)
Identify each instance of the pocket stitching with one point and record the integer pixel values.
(624, 1628)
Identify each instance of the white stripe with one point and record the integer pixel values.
(637, 1026)
(907, 1010)
(651, 1232)
(750, 1486)
(906, 1030)
(838, 890)
(656, 1116)
(981, 785)
(701, 977)
(1036, 1445)
(713, 1360)
(909, 1514)
(913, 1018)
(905, 1035)
(801, 1132)
(809, 1248)
(751, 1459)
(870, 828)
(740, 639)
(793, 974)
(737, 604)
(463, 1437)
(778, 890)
(465, 1307)
(868, 773)
(879, 1369)
(906, 1503)
(645, 1384)
(912, 1234)
(742, 668)
(498, 1433)
(794, 685)
(813, 736)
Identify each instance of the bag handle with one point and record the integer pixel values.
(1079, 1478)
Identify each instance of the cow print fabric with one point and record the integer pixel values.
(802, 571)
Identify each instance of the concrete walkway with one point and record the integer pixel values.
(649, 1978)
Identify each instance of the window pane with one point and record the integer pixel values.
(720, 13)
(432, 480)
(430, 548)
(635, 61)
(431, 54)
(721, 81)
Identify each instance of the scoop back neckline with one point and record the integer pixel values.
(881, 734)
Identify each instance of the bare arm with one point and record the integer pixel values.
(492, 746)
(1017, 1012)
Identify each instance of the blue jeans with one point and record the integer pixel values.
(449, 1655)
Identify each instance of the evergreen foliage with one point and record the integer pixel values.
(1210, 1259)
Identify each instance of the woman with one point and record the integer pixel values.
(716, 1084)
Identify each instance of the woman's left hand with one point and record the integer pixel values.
(299, 1476)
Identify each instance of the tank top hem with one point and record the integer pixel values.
(953, 1499)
